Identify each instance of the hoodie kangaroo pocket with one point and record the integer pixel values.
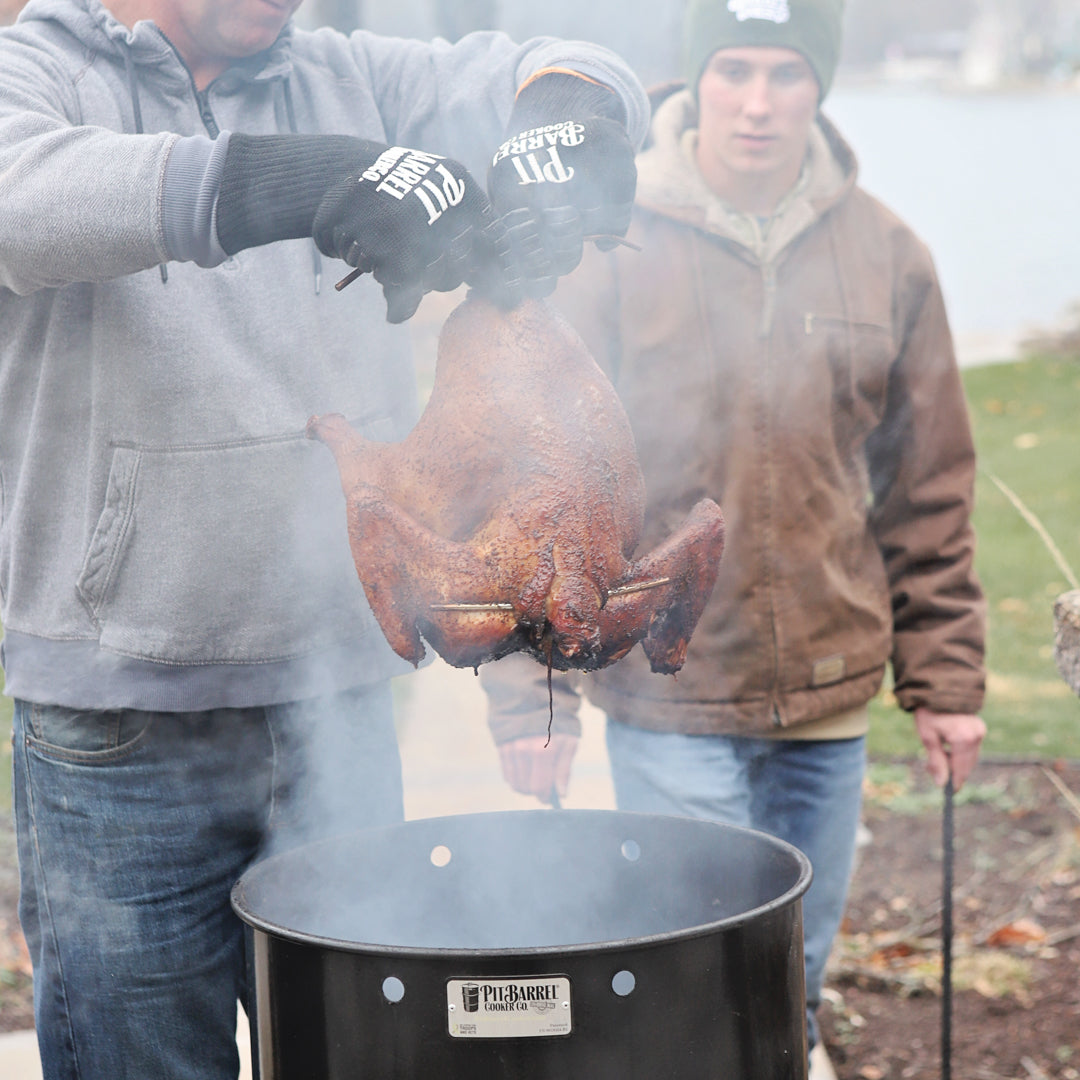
(228, 553)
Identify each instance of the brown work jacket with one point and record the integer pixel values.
(801, 374)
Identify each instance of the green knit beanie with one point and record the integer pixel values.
(811, 27)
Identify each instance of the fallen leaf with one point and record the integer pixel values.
(899, 950)
(1020, 932)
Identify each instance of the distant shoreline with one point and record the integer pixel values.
(978, 349)
(950, 81)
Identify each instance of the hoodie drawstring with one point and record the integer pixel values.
(136, 108)
(290, 112)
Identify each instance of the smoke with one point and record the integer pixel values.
(648, 38)
(522, 881)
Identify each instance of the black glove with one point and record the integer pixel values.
(565, 172)
(416, 220)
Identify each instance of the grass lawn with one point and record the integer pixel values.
(1026, 417)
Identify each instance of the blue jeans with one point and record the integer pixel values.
(132, 828)
(806, 792)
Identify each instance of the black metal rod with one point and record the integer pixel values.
(947, 931)
(348, 279)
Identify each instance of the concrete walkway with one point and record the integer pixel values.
(19, 1054)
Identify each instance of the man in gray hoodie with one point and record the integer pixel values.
(195, 671)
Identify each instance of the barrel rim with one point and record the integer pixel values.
(699, 930)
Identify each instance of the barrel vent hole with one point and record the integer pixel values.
(393, 989)
(623, 983)
(440, 855)
(631, 850)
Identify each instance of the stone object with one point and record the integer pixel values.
(1067, 637)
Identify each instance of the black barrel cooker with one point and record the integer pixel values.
(572, 945)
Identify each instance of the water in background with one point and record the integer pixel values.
(991, 181)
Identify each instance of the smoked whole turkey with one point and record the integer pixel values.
(508, 518)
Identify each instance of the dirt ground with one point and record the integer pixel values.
(1016, 916)
(1016, 925)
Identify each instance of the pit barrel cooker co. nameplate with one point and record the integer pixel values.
(509, 1008)
(577, 945)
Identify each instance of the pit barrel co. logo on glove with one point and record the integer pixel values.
(776, 11)
(399, 172)
(535, 153)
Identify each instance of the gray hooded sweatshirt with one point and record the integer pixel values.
(168, 537)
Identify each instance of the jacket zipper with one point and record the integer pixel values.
(206, 114)
(768, 313)
(769, 274)
(765, 326)
(202, 97)
(768, 300)
(768, 279)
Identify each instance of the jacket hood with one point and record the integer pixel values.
(670, 183)
(91, 23)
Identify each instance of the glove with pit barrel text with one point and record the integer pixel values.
(417, 221)
(565, 174)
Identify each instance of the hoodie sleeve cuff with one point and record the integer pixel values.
(189, 199)
(603, 67)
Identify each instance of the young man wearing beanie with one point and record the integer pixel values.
(781, 345)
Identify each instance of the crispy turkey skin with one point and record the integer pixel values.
(509, 516)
